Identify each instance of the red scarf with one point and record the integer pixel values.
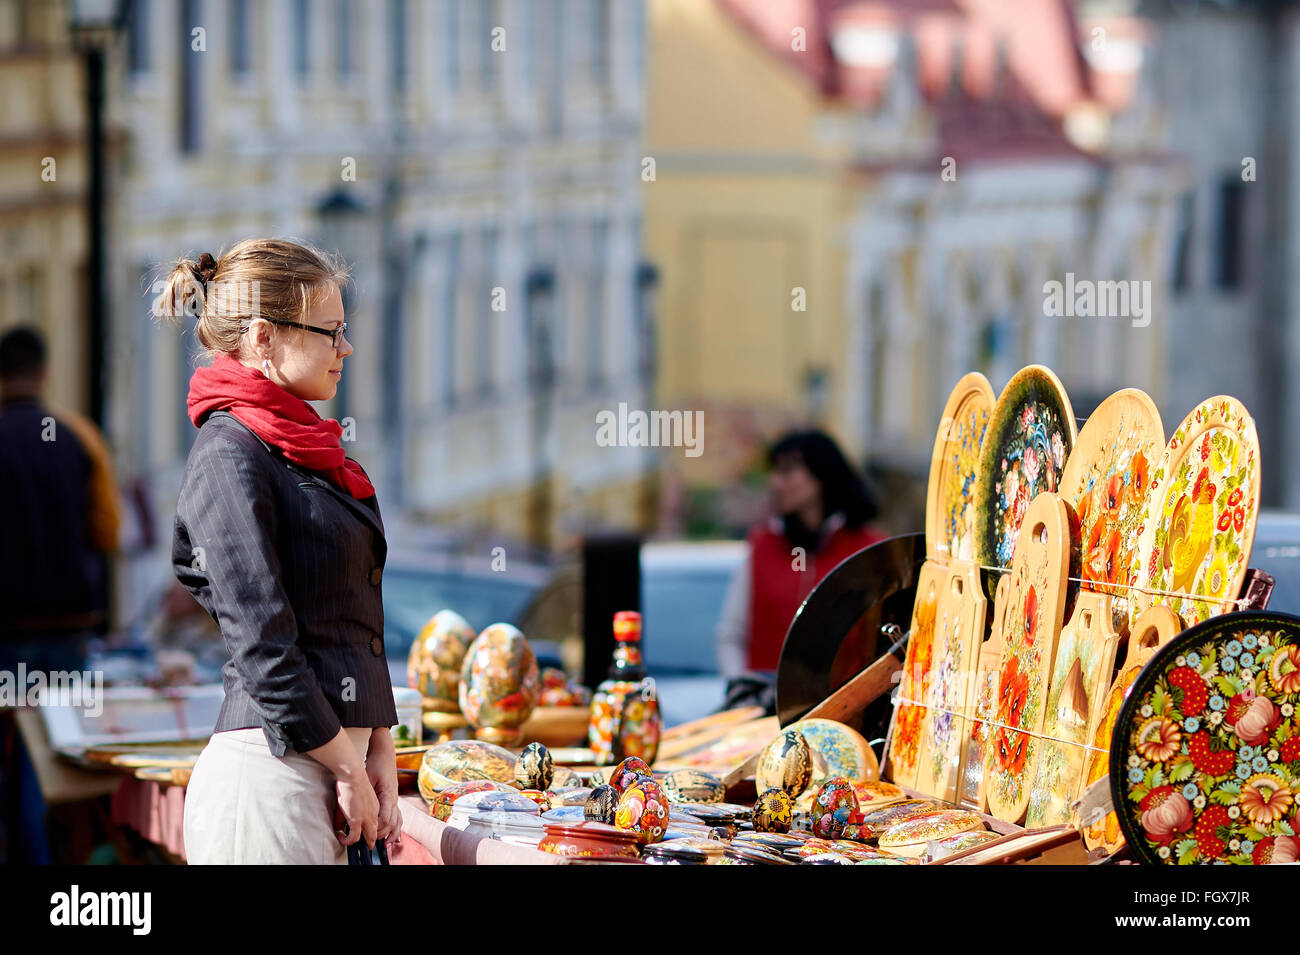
(278, 418)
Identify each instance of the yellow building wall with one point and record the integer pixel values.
(745, 207)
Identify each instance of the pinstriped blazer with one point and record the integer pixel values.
(290, 567)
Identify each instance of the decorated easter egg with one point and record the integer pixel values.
(433, 666)
(569, 795)
(834, 807)
(786, 763)
(773, 811)
(602, 804)
(693, 786)
(534, 769)
(626, 772)
(643, 809)
(441, 802)
(462, 760)
(499, 683)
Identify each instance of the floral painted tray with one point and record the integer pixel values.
(1205, 762)
(949, 514)
(1029, 438)
(1106, 483)
(1199, 524)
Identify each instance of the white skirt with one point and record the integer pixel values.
(244, 806)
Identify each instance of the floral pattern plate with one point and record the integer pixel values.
(1200, 515)
(1029, 439)
(1205, 763)
(1106, 483)
(949, 514)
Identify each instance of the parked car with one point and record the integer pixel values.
(1277, 552)
(683, 587)
(417, 587)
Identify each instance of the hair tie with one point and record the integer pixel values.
(207, 268)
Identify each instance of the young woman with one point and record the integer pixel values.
(821, 509)
(278, 535)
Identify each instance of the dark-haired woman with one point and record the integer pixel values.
(821, 512)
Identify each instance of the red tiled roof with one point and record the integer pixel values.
(1016, 105)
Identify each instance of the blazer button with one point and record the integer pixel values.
(376, 576)
(377, 646)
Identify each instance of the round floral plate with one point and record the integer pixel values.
(949, 516)
(1029, 438)
(1205, 761)
(1105, 482)
(1199, 524)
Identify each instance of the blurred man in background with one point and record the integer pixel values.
(61, 523)
(61, 517)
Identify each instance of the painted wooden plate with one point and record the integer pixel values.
(1205, 763)
(1200, 516)
(1106, 483)
(1031, 627)
(949, 515)
(1155, 628)
(1029, 439)
(837, 750)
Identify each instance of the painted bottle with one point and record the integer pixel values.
(625, 717)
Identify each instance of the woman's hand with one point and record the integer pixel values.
(358, 810)
(381, 768)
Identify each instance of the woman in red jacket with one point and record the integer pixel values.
(821, 509)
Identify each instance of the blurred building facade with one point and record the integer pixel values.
(919, 170)
(43, 228)
(477, 164)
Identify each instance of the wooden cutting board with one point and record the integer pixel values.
(954, 463)
(1085, 660)
(1031, 627)
(1156, 627)
(959, 633)
(904, 748)
(971, 788)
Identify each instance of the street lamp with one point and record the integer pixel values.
(92, 25)
(539, 294)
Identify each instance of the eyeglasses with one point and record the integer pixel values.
(333, 333)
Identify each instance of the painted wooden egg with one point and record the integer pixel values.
(565, 778)
(910, 836)
(462, 760)
(602, 804)
(441, 802)
(773, 811)
(569, 795)
(643, 809)
(693, 786)
(499, 683)
(626, 772)
(535, 769)
(834, 807)
(786, 763)
(437, 652)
